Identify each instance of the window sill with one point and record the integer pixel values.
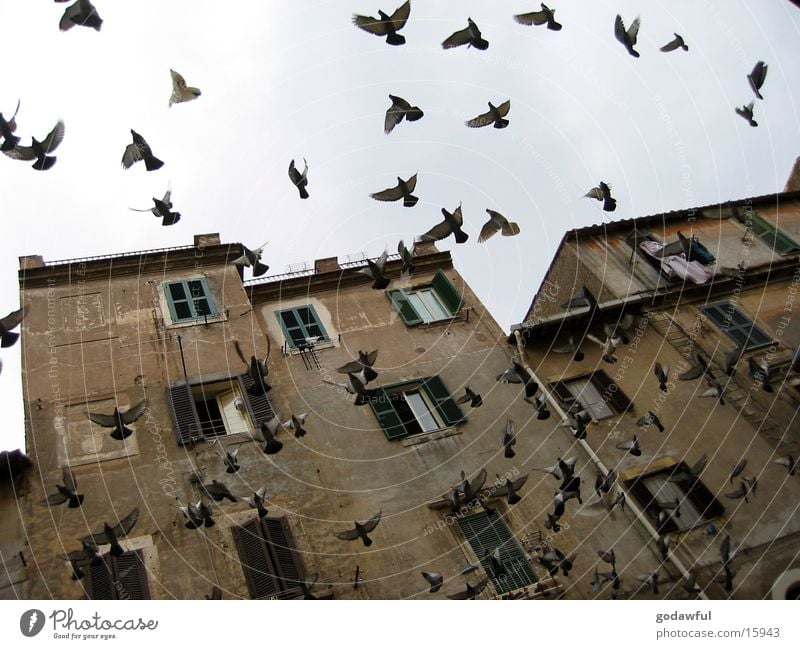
(294, 351)
(437, 323)
(195, 323)
(423, 438)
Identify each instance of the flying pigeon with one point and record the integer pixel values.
(518, 374)
(119, 420)
(792, 465)
(407, 257)
(675, 44)
(299, 180)
(470, 397)
(161, 209)
(296, 424)
(402, 189)
(662, 374)
(470, 36)
(140, 150)
(66, 492)
(374, 270)
(736, 469)
(631, 446)
(510, 489)
(545, 16)
(111, 535)
(363, 364)
(762, 373)
(80, 13)
(11, 321)
(252, 258)
(257, 370)
(231, 463)
(603, 193)
(497, 223)
(627, 36)
(471, 592)
(386, 25)
(361, 530)
(650, 419)
(256, 501)
(7, 128)
(540, 403)
(451, 225)
(434, 579)
(268, 431)
(495, 116)
(715, 391)
(509, 438)
(399, 110)
(217, 491)
(38, 150)
(603, 483)
(570, 348)
(746, 111)
(756, 78)
(355, 385)
(180, 91)
(581, 298)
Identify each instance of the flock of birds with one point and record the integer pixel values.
(467, 493)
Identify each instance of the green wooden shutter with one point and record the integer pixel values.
(276, 532)
(382, 406)
(444, 288)
(445, 404)
(256, 561)
(184, 414)
(259, 405)
(485, 533)
(401, 304)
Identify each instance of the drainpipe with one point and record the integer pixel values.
(632, 506)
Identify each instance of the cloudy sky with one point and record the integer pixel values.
(283, 80)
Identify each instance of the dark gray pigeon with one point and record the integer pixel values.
(544, 17)
(746, 112)
(299, 180)
(627, 36)
(674, 44)
(7, 128)
(471, 592)
(119, 420)
(495, 116)
(112, 534)
(252, 258)
(756, 78)
(81, 13)
(162, 209)
(361, 530)
(375, 271)
(140, 150)
(386, 25)
(603, 193)
(66, 492)
(509, 438)
(402, 189)
(39, 150)
(470, 397)
(470, 36)
(451, 225)
(497, 223)
(363, 364)
(398, 111)
(434, 579)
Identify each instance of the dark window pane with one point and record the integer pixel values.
(289, 319)
(314, 330)
(182, 310)
(176, 291)
(305, 315)
(201, 307)
(297, 335)
(196, 288)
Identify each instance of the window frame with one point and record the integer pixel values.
(190, 302)
(732, 330)
(485, 533)
(109, 572)
(268, 543)
(445, 294)
(696, 492)
(435, 395)
(290, 342)
(618, 402)
(186, 419)
(769, 234)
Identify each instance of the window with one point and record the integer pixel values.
(268, 558)
(739, 328)
(768, 233)
(414, 407)
(300, 324)
(225, 407)
(122, 577)
(595, 392)
(189, 300)
(485, 533)
(654, 490)
(438, 300)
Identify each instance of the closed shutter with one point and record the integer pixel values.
(131, 576)
(485, 533)
(445, 404)
(99, 584)
(401, 304)
(444, 288)
(184, 414)
(278, 536)
(701, 497)
(382, 406)
(255, 559)
(563, 393)
(611, 392)
(259, 405)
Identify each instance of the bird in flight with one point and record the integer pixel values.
(180, 91)
(11, 321)
(402, 189)
(7, 128)
(119, 420)
(66, 492)
(386, 25)
(756, 78)
(435, 580)
(140, 150)
(361, 530)
(399, 110)
(252, 258)
(544, 17)
(474, 400)
(361, 366)
(451, 225)
(674, 44)
(470, 36)
(497, 223)
(374, 270)
(746, 112)
(162, 209)
(627, 36)
(603, 193)
(38, 150)
(111, 535)
(299, 180)
(495, 116)
(80, 13)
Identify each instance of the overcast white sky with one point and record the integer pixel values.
(283, 80)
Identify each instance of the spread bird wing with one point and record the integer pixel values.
(503, 108)
(353, 367)
(391, 194)
(438, 232)
(476, 484)
(400, 16)
(347, 535)
(461, 37)
(369, 24)
(132, 414)
(69, 479)
(21, 153)
(674, 44)
(372, 523)
(532, 18)
(759, 74)
(394, 115)
(619, 30)
(178, 82)
(633, 30)
(411, 183)
(132, 154)
(107, 421)
(12, 319)
(120, 529)
(54, 137)
(484, 119)
(594, 192)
